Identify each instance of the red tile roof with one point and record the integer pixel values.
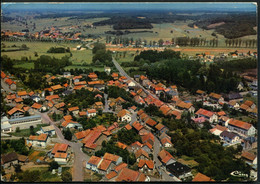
(59, 147)
(141, 111)
(141, 152)
(128, 127)
(127, 175)
(56, 87)
(104, 164)
(21, 93)
(80, 83)
(240, 124)
(82, 113)
(51, 97)
(221, 113)
(147, 137)
(122, 113)
(41, 137)
(248, 156)
(165, 156)
(215, 95)
(111, 157)
(13, 110)
(94, 160)
(149, 163)
(204, 112)
(165, 109)
(120, 166)
(61, 155)
(111, 175)
(3, 75)
(9, 81)
(121, 145)
(159, 126)
(68, 117)
(249, 103)
(36, 106)
(201, 177)
(73, 109)
(137, 126)
(17, 100)
(150, 122)
(11, 97)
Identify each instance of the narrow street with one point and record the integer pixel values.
(6, 87)
(79, 156)
(106, 109)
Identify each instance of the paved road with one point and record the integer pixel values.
(106, 109)
(133, 118)
(123, 73)
(79, 156)
(6, 87)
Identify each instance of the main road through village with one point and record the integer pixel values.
(79, 157)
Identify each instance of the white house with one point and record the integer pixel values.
(208, 115)
(114, 158)
(6, 127)
(241, 127)
(40, 140)
(61, 158)
(130, 83)
(124, 115)
(50, 130)
(107, 70)
(71, 124)
(91, 113)
(93, 163)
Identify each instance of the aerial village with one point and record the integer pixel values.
(149, 156)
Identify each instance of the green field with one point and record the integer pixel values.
(78, 56)
(26, 132)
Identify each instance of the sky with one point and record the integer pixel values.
(249, 6)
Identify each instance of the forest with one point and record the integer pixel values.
(235, 25)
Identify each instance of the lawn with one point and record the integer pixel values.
(26, 132)
(46, 175)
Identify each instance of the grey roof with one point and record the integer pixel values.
(9, 157)
(48, 128)
(25, 118)
(178, 168)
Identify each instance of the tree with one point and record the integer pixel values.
(160, 42)
(66, 176)
(17, 168)
(17, 129)
(97, 47)
(30, 176)
(32, 131)
(53, 165)
(67, 134)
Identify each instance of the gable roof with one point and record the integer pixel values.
(9, 157)
(120, 166)
(122, 113)
(121, 145)
(248, 156)
(215, 95)
(165, 109)
(204, 112)
(68, 117)
(201, 177)
(137, 126)
(147, 137)
(59, 147)
(166, 140)
(150, 122)
(21, 93)
(149, 163)
(111, 175)
(144, 116)
(104, 164)
(56, 87)
(73, 109)
(230, 135)
(141, 111)
(141, 152)
(36, 106)
(240, 124)
(60, 155)
(94, 160)
(13, 110)
(184, 105)
(41, 137)
(111, 157)
(127, 175)
(249, 103)
(165, 156)
(128, 127)
(159, 126)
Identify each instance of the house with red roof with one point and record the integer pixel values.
(15, 113)
(146, 166)
(249, 158)
(11, 83)
(71, 124)
(147, 147)
(134, 146)
(149, 137)
(129, 175)
(74, 110)
(161, 128)
(137, 126)
(150, 122)
(40, 141)
(141, 154)
(105, 166)
(124, 116)
(60, 153)
(241, 127)
(202, 178)
(216, 97)
(218, 129)
(91, 113)
(185, 106)
(166, 142)
(208, 115)
(165, 157)
(93, 163)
